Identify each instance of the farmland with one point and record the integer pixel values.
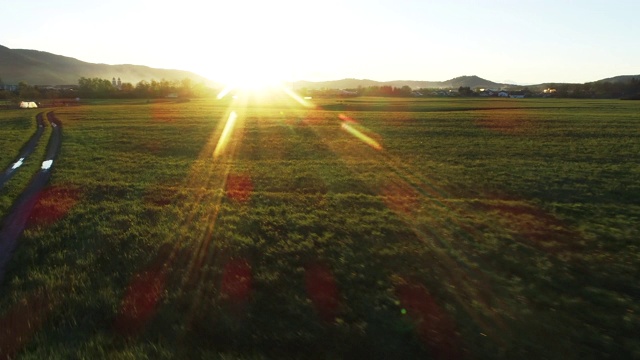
(365, 227)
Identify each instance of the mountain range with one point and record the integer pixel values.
(470, 81)
(43, 68)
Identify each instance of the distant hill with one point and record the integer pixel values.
(337, 84)
(613, 80)
(470, 81)
(619, 79)
(43, 68)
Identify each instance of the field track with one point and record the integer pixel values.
(15, 221)
(26, 150)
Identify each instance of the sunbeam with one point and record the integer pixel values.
(297, 98)
(361, 136)
(226, 134)
(223, 93)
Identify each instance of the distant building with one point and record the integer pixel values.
(488, 92)
(517, 95)
(28, 105)
(348, 93)
(116, 83)
(9, 87)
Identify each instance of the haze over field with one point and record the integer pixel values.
(524, 42)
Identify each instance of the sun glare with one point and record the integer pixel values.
(252, 65)
(226, 135)
(254, 75)
(253, 81)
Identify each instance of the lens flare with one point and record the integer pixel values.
(345, 118)
(297, 98)
(141, 301)
(226, 134)
(322, 290)
(362, 137)
(20, 323)
(223, 93)
(432, 322)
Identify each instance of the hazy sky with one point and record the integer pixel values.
(518, 41)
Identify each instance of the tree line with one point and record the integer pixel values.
(594, 90)
(103, 88)
(599, 90)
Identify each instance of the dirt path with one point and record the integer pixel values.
(26, 150)
(16, 219)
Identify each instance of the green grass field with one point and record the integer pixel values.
(367, 227)
(16, 127)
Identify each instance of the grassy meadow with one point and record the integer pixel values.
(366, 227)
(16, 128)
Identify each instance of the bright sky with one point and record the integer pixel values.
(517, 41)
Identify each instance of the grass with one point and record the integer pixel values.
(366, 227)
(17, 126)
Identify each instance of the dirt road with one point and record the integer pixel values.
(14, 223)
(26, 150)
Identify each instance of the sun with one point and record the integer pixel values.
(252, 77)
(246, 71)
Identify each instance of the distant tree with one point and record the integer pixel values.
(202, 90)
(84, 86)
(127, 89)
(104, 87)
(633, 87)
(142, 89)
(154, 88)
(601, 89)
(95, 88)
(185, 88)
(26, 91)
(465, 91)
(404, 91)
(562, 90)
(3, 94)
(386, 90)
(372, 91)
